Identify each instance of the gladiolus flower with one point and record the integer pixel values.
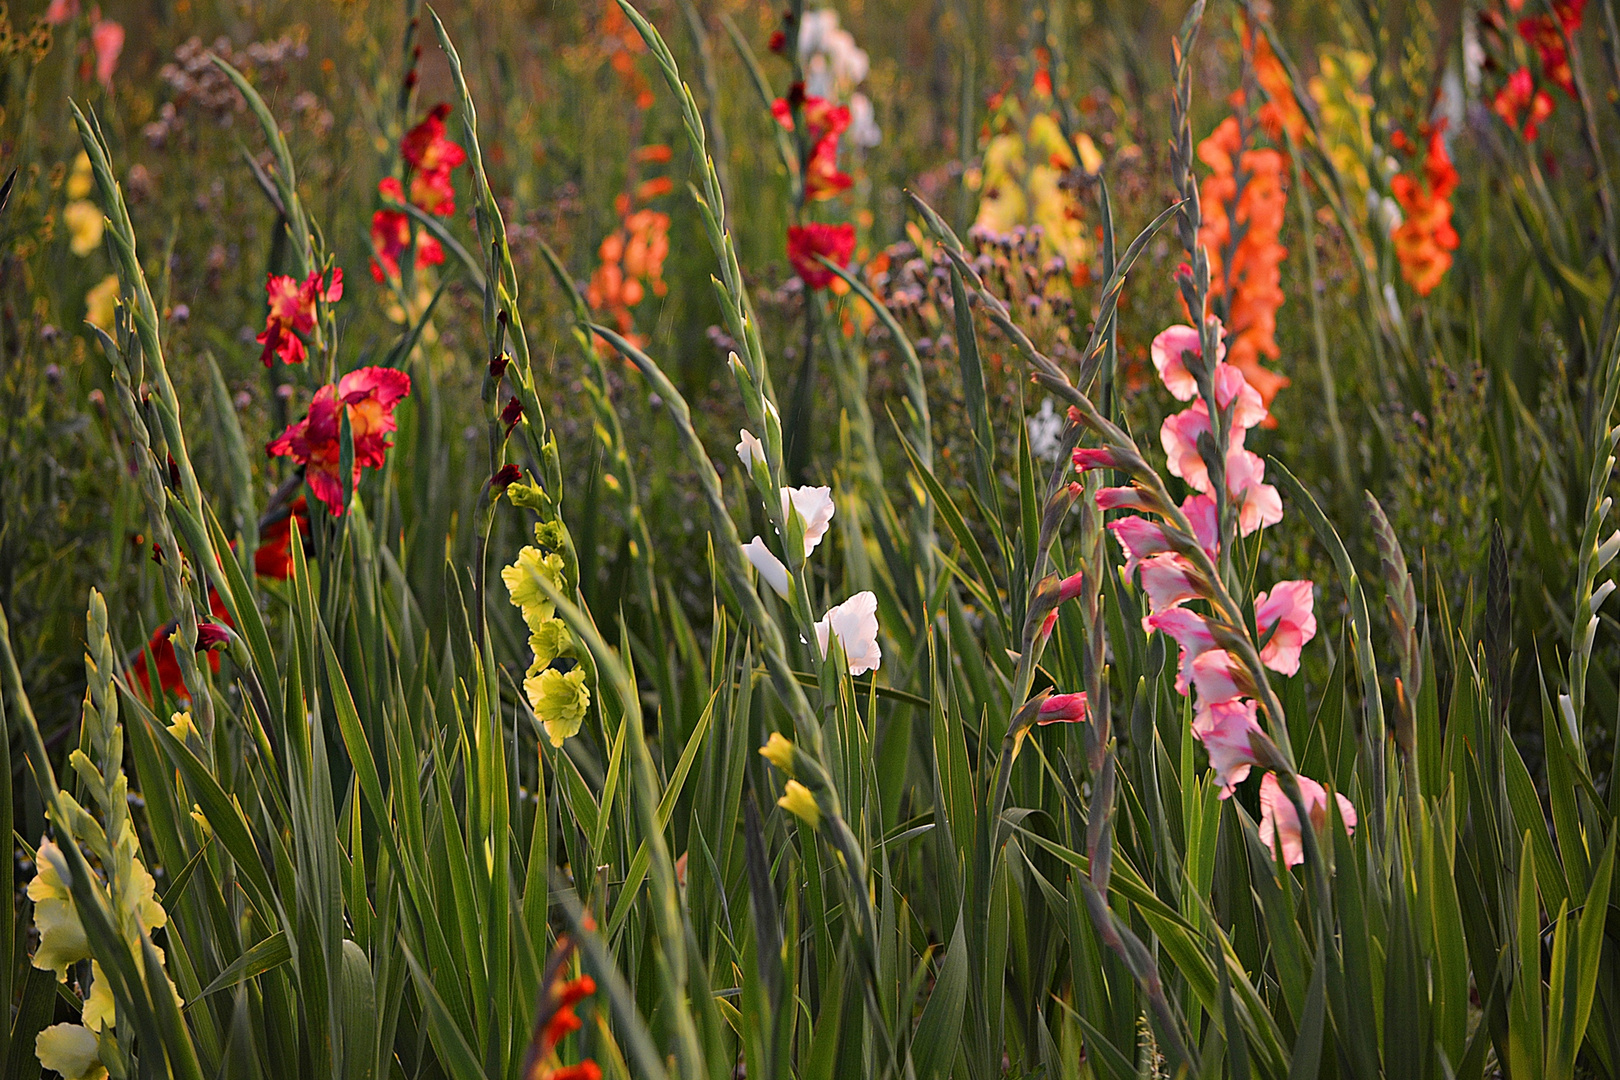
(1278, 819)
(778, 750)
(1087, 458)
(62, 940)
(769, 566)
(815, 507)
(1542, 33)
(1259, 505)
(1138, 538)
(523, 584)
(1168, 581)
(1217, 674)
(101, 303)
(822, 179)
(272, 559)
(1063, 709)
(559, 700)
(72, 1050)
(58, 12)
(1225, 728)
(856, 626)
(107, 42)
(432, 156)
(1122, 498)
(1167, 351)
(1425, 238)
(1199, 510)
(750, 451)
(292, 312)
(585, 1070)
(1254, 216)
(806, 242)
(370, 395)
(1286, 614)
(1071, 587)
(391, 236)
(1190, 631)
(211, 637)
(1521, 106)
(85, 225)
(797, 800)
(511, 413)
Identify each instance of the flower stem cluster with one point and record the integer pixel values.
(556, 682)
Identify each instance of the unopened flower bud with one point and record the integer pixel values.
(506, 476)
(798, 801)
(497, 365)
(1063, 708)
(212, 636)
(1094, 457)
(779, 752)
(511, 414)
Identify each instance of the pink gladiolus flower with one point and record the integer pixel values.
(1216, 674)
(1224, 729)
(1191, 632)
(1094, 457)
(1229, 385)
(107, 40)
(1070, 587)
(1288, 607)
(1138, 538)
(1121, 498)
(1200, 513)
(1259, 505)
(292, 312)
(1168, 580)
(1167, 350)
(58, 12)
(369, 396)
(1063, 709)
(1279, 820)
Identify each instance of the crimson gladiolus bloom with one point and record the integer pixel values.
(391, 236)
(1063, 709)
(272, 559)
(370, 395)
(292, 312)
(432, 156)
(805, 242)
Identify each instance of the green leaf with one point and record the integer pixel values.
(933, 1047)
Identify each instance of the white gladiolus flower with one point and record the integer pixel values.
(769, 566)
(863, 129)
(750, 450)
(855, 623)
(815, 506)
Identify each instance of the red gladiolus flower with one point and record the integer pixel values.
(272, 559)
(822, 180)
(432, 156)
(391, 235)
(824, 122)
(805, 242)
(585, 1070)
(370, 395)
(211, 637)
(1546, 36)
(164, 659)
(1521, 106)
(292, 312)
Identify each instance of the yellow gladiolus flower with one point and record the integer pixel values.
(779, 752)
(548, 641)
(72, 1050)
(84, 224)
(523, 579)
(61, 934)
(98, 1007)
(80, 180)
(180, 725)
(559, 700)
(100, 303)
(798, 801)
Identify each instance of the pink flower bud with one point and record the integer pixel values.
(1094, 457)
(1070, 587)
(1063, 708)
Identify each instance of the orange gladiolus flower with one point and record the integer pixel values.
(1425, 240)
(1252, 279)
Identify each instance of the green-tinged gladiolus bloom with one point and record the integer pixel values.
(548, 641)
(523, 579)
(61, 934)
(98, 1007)
(559, 699)
(797, 800)
(779, 752)
(72, 1050)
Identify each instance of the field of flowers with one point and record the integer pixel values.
(904, 539)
